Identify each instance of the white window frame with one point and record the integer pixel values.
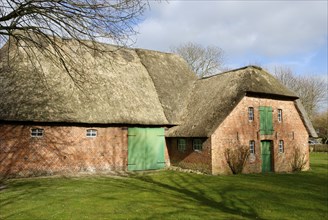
(197, 144)
(91, 133)
(252, 147)
(37, 132)
(250, 114)
(279, 115)
(281, 146)
(182, 143)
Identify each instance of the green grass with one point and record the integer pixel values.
(172, 195)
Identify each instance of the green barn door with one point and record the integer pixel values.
(146, 148)
(266, 156)
(266, 126)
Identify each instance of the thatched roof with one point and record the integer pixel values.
(305, 118)
(215, 97)
(125, 86)
(122, 86)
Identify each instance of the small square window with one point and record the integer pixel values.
(91, 133)
(252, 147)
(281, 146)
(37, 132)
(197, 144)
(251, 114)
(279, 115)
(182, 144)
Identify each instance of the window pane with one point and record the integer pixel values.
(181, 144)
(197, 144)
(279, 115)
(36, 132)
(250, 113)
(252, 147)
(281, 146)
(91, 133)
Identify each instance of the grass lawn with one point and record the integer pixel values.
(172, 195)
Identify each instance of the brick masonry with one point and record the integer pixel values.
(66, 149)
(62, 150)
(237, 129)
(189, 158)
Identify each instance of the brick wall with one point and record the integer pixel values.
(237, 129)
(190, 159)
(62, 149)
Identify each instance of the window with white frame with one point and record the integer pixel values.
(197, 144)
(250, 113)
(37, 132)
(252, 147)
(279, 115)
(91, 133)
(281, 146)
(182, 144)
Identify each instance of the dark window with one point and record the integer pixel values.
(281, 146)
(252, 147)
(91, 133)
(251, 114)
(197, 144)
(279, 115)
(37, 132)
(182, 144)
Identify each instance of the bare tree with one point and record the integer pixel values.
(78, 19)
(312, 91)
(41, 27)
(204, 61)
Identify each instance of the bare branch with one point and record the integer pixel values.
(204, 61)
(37, 26)
(312, 91)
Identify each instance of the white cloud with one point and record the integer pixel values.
(265, 28)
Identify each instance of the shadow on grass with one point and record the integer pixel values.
(170, 195)
(226, 203)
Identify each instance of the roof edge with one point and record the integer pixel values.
(305, 119)
(81, 124)
(272, 95)
(233, 70)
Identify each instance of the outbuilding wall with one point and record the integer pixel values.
(199, 160)
(236, 130)
(62, 149)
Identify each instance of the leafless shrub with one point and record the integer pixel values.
(299, 160)
(236, 158)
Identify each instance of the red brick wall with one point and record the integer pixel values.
(236, 128)
(62, 149)
(190, 159)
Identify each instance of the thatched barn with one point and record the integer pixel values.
(134, 109)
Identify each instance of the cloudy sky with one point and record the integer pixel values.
(269, 33)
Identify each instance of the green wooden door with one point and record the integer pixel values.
(266, 126)
(146, 148)
(266, 156)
